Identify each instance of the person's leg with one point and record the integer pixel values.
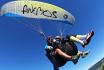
(85, 36)
(62, 54)
(83, 39)
(65, 56)
(55, 64)
(55, 67)
(74, 59)
(75, 39)
(53, 61)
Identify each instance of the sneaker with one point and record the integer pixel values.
(75, 59)
(88, 39)
(85, 53)
(90, 35)
(85, 43)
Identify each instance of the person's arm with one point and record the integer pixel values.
(49, 43)
(49, 47)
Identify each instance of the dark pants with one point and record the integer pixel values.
(56, 60)
(53, 61)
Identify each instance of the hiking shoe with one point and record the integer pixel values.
(90, 35)
(84, 54)
(85, 43)
(75, 59)
(88, 39)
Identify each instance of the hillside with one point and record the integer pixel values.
(98, 66)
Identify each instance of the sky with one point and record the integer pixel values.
(23, 49)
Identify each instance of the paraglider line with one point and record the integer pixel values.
(40, 31)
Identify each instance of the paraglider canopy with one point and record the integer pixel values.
(36, 9)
